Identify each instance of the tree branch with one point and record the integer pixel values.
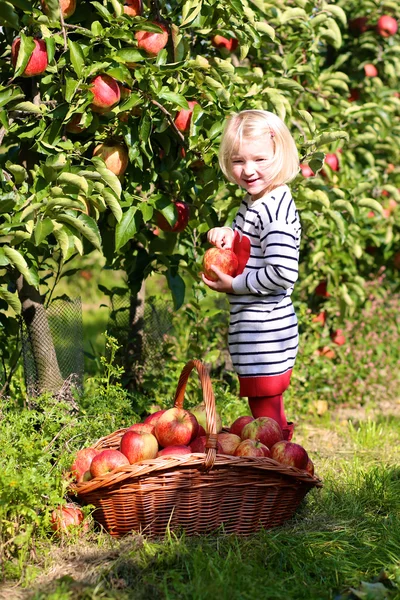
(171, 120)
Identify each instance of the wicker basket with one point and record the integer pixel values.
(199, 493)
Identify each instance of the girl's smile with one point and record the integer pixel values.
(250, 166)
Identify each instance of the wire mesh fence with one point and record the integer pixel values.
(52, 348)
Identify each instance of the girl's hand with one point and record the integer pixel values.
(221, 237)
(223, 284)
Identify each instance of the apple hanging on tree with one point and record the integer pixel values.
(370, 70)
(183, 214)
(184, 117)
(386, 26)
(133, 7)
(67, 7)
(115, 157)
(223, 43)
(106, 93)
(151, 41)
(38, 60)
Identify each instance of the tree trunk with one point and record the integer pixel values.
(134, 348)
(49, 378)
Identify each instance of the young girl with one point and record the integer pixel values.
(258, 153)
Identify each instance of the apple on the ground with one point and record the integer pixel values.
(264, 429)
(182, 219)
(107, 461)
(223, 258)
(138, 446)
(38, 60)
(290, 454)
(65, 517)
(176, 427)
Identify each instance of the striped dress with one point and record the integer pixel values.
(263, 331)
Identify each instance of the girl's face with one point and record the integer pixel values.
(250, 165)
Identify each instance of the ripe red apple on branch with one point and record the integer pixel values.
(223, 43)
(115, 157)
(306, 171)
(106, 93)
(386, 26)
(151, 41)
(223, 258)
(358, 25)
(138, 446)
(176, 427)
(133, 7)
(182, 219)
(337, 337)
(184, 117)
(38, 60)
(67, 7)
(370, 70)
(74, 125)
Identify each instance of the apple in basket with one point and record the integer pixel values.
(174, 451)
(229, 442)
(240, 422)
(290, 454)
(138, 446)
(66, 517)
(176, 427)
(310, 467)
(199, 445)
(199, 412)
(153, 418)
(107, 461)
(264, 429)
(82, 462)
(252, 448)
(142, 427)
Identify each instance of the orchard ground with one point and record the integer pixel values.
(345, 534)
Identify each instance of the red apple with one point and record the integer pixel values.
(337, 337)
(106, 93)
(386, 26)
(310, 467)
(239, 423)
(176, 427)
(64, 517)
(184, 117)
(223, 258)
(326, 351)
(82, 462)
(74, 125)
(370, 70)
(115, 157)
(354, 95)
(320, 317)
(199, 412)
(250, 448)
(290, 454)
(332, 161)
(142, 428)
(133, 7)
(229, 442)
(107, 461)
(37, 62)
(223, 43)
(153, 418)
(321, 290)
(264, 430)
(183, 214)
(138, 446)
(306, 171)
(359, 25)
(396, 261)
(199, 445)
(152, 42)
(67, 7)
(174, 451)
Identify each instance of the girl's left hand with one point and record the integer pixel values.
(223, 283)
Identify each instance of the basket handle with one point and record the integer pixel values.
(209, 401)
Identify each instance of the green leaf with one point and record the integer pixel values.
(174, 98)
(42, 229)
(293, 13)
(177, 287)
(26, 48)
(113, 204)
(336, 11)
(11, 299)
(129, 55)
(74, 180)
(108, 176)
(338, 219)
(370, 203)
(190, 10)
(19, 262)
(263, 27)
(8, 16)
(28, 107)
(82, 228)
(17, 171)
(126, 228)
(77, 57)
(62, 238)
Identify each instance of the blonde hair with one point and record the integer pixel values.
(250, 124)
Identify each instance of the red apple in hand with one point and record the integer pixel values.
(223, 258)
(152, 42)
(174, 451)
(37, 62)
(107, 461)
(386, 26)
(138, 446)
(115, 157)
(106, 93)
(182, 218)
(229, 442)
(290, 454)
(184, 116)
(65, 517)
(264, 429)
(176, 427)
(239, 423)
(252, 448)
(223, 43)
(82, 462)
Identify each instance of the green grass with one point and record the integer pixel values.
(344, 534)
